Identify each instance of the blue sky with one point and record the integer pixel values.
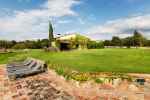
(98, 19)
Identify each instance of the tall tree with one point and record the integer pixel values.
(51, 36)
(128, 41)
(116, 41)
(107, 43)
(138, 39)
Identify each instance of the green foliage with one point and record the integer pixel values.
(95, 45)
(147, 43)
(19, 46)
(7, 44)
(138, 39)
(128, 42)
(97, 80)
(60, 71)
(51, 36)
(82, 41)
(28, 44)
(116, 41)
(44, 43)
(107, 43)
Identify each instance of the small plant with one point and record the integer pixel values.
(67, 77)
(60, 71)
(130, 79)
(97, 80)
(80, 77)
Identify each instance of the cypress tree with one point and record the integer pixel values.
(51, 36)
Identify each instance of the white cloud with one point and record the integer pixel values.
(61, 7)
(64, 21)
(124, 26)
(24, 23)
(32, 23)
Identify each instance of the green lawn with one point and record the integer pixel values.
(113, 60)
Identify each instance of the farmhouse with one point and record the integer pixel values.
(72, 41)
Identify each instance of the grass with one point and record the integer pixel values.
(97, 60)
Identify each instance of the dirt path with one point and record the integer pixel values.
(50, 86)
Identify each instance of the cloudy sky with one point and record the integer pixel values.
(98, 19)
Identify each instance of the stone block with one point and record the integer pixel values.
(25, 68)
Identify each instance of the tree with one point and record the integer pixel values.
(44, 43)
(95, 45)
(116, 41)
(138, 39)
(128, 42)
(51, 36)
(107, 43)
(7, 44)
(147, 43)
(19, 46)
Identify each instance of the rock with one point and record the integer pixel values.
(25, 68)
(116, 82)
(42, 90)
(133, 87)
